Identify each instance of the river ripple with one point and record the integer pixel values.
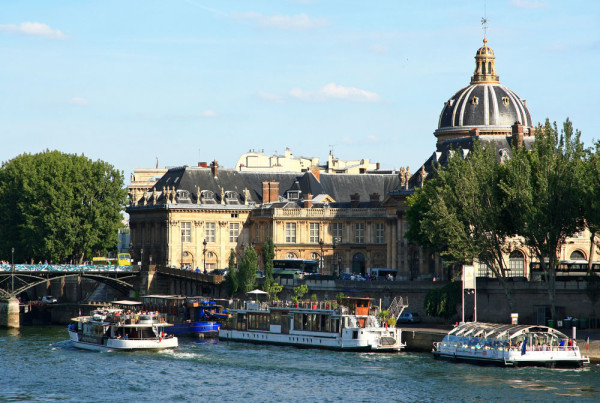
(38, 364)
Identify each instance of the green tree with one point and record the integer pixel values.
(268, 253)
(247, 269)
(542, 200)
(443, 302)
(590, 197)
(59, 206)
(460, 213)
(231, 279)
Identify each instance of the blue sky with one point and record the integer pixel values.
(128, 81)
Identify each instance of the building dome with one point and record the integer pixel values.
(485, 105)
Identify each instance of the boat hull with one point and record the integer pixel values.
(560, 359)
(122, 344)
(332, 341)
(194, 329)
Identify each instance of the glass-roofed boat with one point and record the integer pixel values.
(509, 345)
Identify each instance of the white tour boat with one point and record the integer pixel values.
(120, 329)
(349, 326)
(509, 345)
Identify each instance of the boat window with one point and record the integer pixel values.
(355, 334)
(275, 317)
(297, 321)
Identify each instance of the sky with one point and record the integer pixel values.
(131, 82)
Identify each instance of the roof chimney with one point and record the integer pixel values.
(374, 200)
(270, 191)
(214, 166)
(203, 164)
(517, 134)
(308, 202)
(354, 200)
(316, 172)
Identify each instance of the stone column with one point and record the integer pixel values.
(9, 313)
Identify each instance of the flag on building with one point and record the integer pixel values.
(156, 162)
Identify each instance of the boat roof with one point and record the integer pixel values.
(164, 296)
(500, 330)
(126, 302)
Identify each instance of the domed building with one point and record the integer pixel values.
(486, 111)
(485, 107)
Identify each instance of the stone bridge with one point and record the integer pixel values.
(66, 282)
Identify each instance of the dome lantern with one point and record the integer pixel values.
(485, 66)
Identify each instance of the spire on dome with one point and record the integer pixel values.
(485, 65)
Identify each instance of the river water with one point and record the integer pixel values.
(39, 364)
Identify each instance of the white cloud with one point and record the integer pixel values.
(296, 22)
(327, 93)
(34, 28)
(372, 138)
(78, 101)
(529, 4)
(379, 48)
(209, 113)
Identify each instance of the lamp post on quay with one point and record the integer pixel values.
(321, 245)
(204, 255)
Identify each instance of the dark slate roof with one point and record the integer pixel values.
(482, 106)
(338, 186)
(464, 145)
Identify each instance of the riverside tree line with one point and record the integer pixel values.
(59, 207)
(473, 206)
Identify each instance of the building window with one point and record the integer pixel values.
(314, 232)
(577, 255)
(257, 232)
(336, 231)
(186, 231)
(379, 238)
(290, 232)
(210, 231)
(516, 264)
(234, 231)
(359, 232)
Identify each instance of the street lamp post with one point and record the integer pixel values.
(204, 254)
(181, 260)
(141, 257)
(321, 245)
(13, 270)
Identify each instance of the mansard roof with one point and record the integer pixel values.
(190, 180)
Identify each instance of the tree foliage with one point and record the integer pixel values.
(231, 279)
(60, 207)
(443, 302)
(460, 212)
(268, 253)
(247, 269)
(543, 201)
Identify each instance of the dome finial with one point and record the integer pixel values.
(485, 65)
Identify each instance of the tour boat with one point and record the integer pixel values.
(349, 326)
(196, 317)
(119, 329)
(509, 345)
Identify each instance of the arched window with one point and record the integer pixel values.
(314, 256)
(516, 264)
(577, 255)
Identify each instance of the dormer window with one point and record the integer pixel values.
(293, 195)
(231, 197)
(207, 197)
(183, 195)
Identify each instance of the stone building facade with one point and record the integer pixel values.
(194, 216)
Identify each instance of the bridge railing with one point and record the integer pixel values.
(66, 268)
(208, 278)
